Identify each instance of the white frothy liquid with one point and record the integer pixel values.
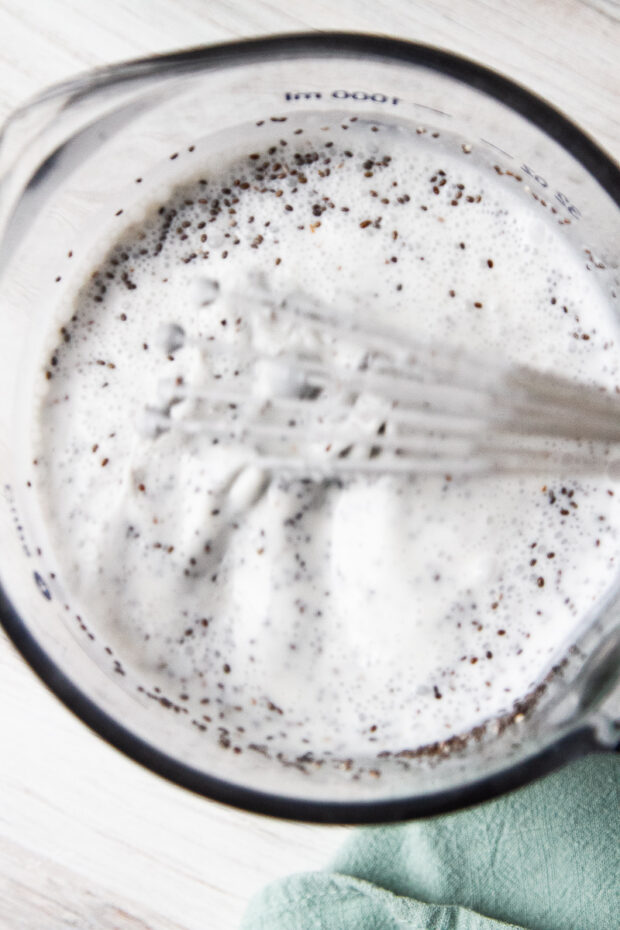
(367, 615)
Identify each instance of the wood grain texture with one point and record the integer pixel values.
(87, 839)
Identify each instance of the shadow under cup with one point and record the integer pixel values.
(67, 161)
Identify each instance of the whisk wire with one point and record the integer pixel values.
(358, 398)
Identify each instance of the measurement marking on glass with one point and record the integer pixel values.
(494, 146)
(342, 95)
(559, 196)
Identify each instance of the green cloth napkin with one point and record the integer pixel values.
(546, 857)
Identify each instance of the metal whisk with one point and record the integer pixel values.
(354, 398)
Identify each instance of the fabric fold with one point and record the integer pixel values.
(545, 857)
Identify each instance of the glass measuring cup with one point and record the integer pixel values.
(73, 154)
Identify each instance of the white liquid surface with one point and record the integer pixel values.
(380, 614)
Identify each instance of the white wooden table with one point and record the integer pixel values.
(88, 839)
